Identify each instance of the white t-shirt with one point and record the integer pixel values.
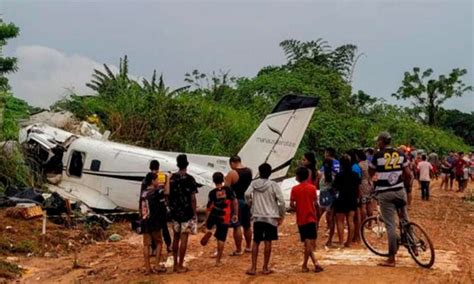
(424, 167)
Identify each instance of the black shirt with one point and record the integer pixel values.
(245, 178)
(182, 187)
(220, 204)
(389, 164)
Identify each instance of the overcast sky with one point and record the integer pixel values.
(62, 41)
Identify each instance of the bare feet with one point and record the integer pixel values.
(182, 269)
(304, 269)
(387, 263)
(267, 271)
(251, 272)
(218, 263)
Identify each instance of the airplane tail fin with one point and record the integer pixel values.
(277, 138)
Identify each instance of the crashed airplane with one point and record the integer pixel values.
(107, 175)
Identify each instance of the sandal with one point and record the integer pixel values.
(267, 272)
(236, 253)
(161, 269)
(318, 268)
(250, 272)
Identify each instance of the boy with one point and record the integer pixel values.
(268, 209)
(222, 202)
(152, 214)
(303, 199)
(182, 202)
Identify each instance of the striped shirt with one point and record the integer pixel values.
(389, 164)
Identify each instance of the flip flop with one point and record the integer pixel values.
(205, 238)
(236, 253)
(161, 269)
(248, 250)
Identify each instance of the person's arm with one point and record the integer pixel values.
(167, 185)
(235, 209)
(281, 203)
(231, 178)
(292, 199)
(249, 195)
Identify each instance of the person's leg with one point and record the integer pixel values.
(238, 239)
(388, 211)
(146, 252)
(253, 267)
(183, 246)
(451, 181)
(340, 227)
(220, 250)
(357, 220)
(363, 212)
(159, 247)
(176, 239)
(167, 237)
(330, 219)
(350, 222)
(307, 250)
(427, 190)
(266, 256)
(248, 239)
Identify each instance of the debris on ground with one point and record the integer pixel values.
(25, 211)
(9, 270)
(115, 238)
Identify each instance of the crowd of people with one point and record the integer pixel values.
(342, 190)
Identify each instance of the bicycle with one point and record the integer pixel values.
(411, 235)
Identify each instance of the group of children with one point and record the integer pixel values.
(267, 206)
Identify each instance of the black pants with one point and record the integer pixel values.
(425, 190)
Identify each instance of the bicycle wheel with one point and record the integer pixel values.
(374, 235)
(419, 246)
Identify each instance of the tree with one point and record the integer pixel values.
(7, 64)
(430, 95)
(319, 52)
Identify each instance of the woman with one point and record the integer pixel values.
(357, 216)
(327, 196)
(346, 184)
(309, 161)
(445, 172)
(365, 188)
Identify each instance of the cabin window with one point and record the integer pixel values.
(95, 165)
(76, 164)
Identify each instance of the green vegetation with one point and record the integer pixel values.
(7, 64)
(9, 270)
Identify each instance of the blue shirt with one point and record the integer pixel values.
(356, 169)
(335, 167)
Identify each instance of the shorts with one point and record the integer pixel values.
(263, 231)
(221, 229)
(308, 231)
(153, 237)
(189, 227)
(244, 215)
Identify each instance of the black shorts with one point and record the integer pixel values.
(244, 215)
(263, 231)
(221, 229)
(308, 231)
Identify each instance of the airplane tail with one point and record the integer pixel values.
(277, 138)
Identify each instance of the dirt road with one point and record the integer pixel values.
(448, 219)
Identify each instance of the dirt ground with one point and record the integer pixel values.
(447, 217)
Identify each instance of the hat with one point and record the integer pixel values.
(385, 136)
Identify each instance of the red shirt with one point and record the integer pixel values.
(459, 165)
(304, 195)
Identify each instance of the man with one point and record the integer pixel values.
(391, 169)
(459, 165)
(239, 179)
(163, 183)
(425, 168)
(451, 159)
(433, 159)
(267, 204)
(182, 202)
